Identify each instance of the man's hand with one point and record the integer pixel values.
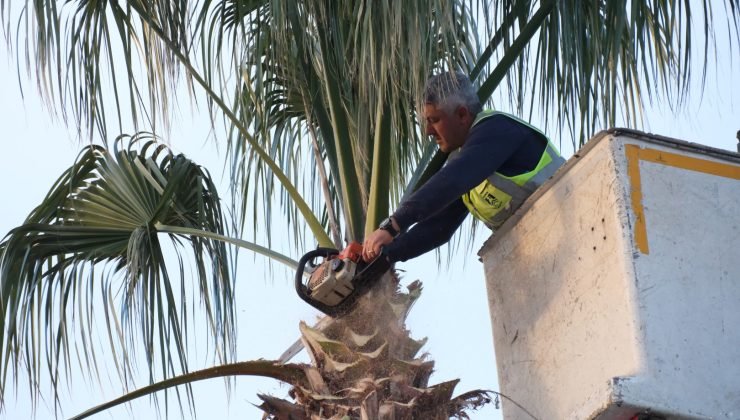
(372, 244)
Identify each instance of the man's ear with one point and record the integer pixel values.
(463, 114)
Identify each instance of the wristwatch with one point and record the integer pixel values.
(387, 225)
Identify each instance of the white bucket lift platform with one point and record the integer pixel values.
(615, 290)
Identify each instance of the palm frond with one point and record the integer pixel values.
(596, 64)
(105, 211)
(159, 36)
(352, 72)
(593, 64)
(290, 373)
(79, 50)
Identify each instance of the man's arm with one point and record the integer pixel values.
(427, 234)
(496, 144)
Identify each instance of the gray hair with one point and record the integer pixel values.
(450, 90)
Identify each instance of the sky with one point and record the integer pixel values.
(452, 312)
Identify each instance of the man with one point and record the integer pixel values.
(496, 161)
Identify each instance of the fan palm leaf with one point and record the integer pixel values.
(111, 208)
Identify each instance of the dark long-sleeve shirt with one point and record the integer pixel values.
(436, 210)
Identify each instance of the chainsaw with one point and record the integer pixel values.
(332, 281)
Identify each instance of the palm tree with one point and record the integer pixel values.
(311, 84)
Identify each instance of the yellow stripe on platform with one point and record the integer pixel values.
(635, 154)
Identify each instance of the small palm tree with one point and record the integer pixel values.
(302, 85)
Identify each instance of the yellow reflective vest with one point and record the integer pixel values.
(496, 198)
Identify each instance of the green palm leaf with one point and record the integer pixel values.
(594, 63)
(108, 210)
(349, 73)
(74, 53)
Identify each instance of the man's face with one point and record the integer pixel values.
(448, 130)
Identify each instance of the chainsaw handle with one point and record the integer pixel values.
(310, 255)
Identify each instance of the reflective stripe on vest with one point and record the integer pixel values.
(495, 199)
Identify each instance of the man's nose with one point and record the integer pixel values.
(430, 130)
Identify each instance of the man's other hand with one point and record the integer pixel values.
(373, 243)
